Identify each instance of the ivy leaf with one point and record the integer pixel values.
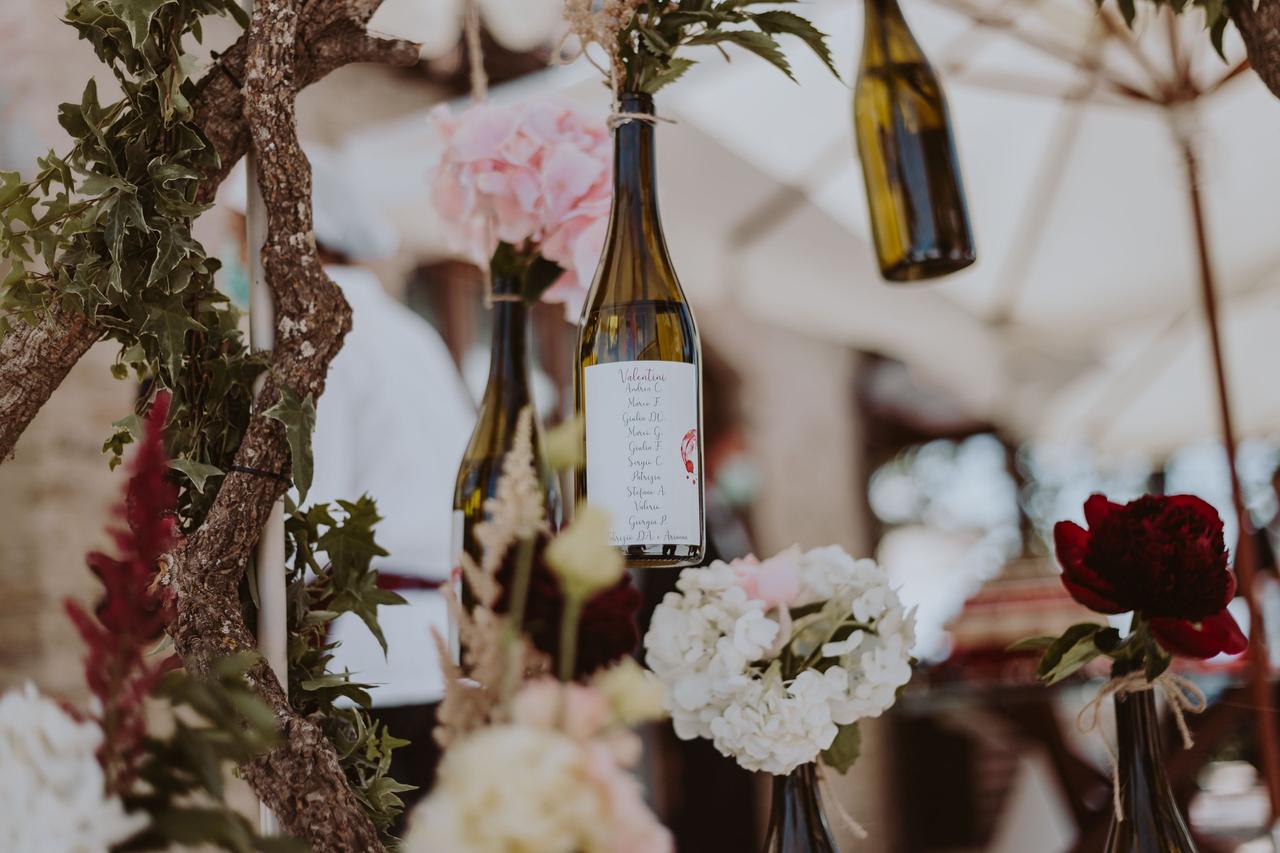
(845, 749)
(169, 324)
(197, 472)
(137, 15)
(299, 419)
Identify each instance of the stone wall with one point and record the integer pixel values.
(56, 496)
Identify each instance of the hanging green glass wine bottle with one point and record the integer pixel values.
(1152, 822)
(505, 396)
(919, 218)
(638, 380)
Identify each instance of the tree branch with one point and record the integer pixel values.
(301, 780)
(331, 34)
(34, 361)
(1260, 29)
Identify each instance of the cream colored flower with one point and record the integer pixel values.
(581, 555)
(635, 694)
(526, 789)
(516, 510)
(52, 789)
(563, 446)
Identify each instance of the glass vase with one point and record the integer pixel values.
(1152, 822)
(797, 823)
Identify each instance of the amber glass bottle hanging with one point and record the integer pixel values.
(919, 219)
(638, 382)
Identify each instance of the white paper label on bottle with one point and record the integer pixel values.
(643, 464)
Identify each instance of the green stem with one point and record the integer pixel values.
(515, 619)
(569, 636)
(520, 584)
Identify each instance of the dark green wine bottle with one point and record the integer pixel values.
(1152, 822)
(505, 396)
(638, 382)
(919, 219)
(797, 823)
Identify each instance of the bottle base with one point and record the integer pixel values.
(923, 266)
(663, 556)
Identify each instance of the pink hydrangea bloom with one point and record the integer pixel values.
(535, 175)
(775, 581)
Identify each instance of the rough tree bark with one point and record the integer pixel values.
(1260, 29)
(34, 360)
(291, 44)
(300, 780)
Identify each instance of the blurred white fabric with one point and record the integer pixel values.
(346, 217)
(1081, 319)
(393, 422)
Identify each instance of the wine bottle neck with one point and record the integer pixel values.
(508, 353)
(635, 193)
(797, 822)
(1144, 787)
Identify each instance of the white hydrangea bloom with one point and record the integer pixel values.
(713, 646)
(52, 789)
(568, 796)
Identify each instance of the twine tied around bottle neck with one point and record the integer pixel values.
(1180, 692)
(824, 790)
(475, 52)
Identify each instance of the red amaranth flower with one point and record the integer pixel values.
(1162, 556)
(134, 609)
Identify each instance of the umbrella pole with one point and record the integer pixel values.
(269, 556)
(1246, 564)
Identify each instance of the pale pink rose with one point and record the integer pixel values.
(633, 826)
(580, 712)
(775, 581)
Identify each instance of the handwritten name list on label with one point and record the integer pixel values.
(642, 459)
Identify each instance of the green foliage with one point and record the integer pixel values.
(219, 722)
(106, 230)
(1217, 14)
(331, 552)
(532, 272)
(845, 749)
(648, 47)
(299, 418)
(1062, 657)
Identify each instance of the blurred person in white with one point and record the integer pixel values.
(393, 422)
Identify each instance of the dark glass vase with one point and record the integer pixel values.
(797, 823)
(505, 396)
(1152, 822)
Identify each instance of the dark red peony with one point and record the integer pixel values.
(607, 630)
(1162, 556)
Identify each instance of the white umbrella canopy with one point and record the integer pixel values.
(1077, 190)
(1078, 194)
(809, 274)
